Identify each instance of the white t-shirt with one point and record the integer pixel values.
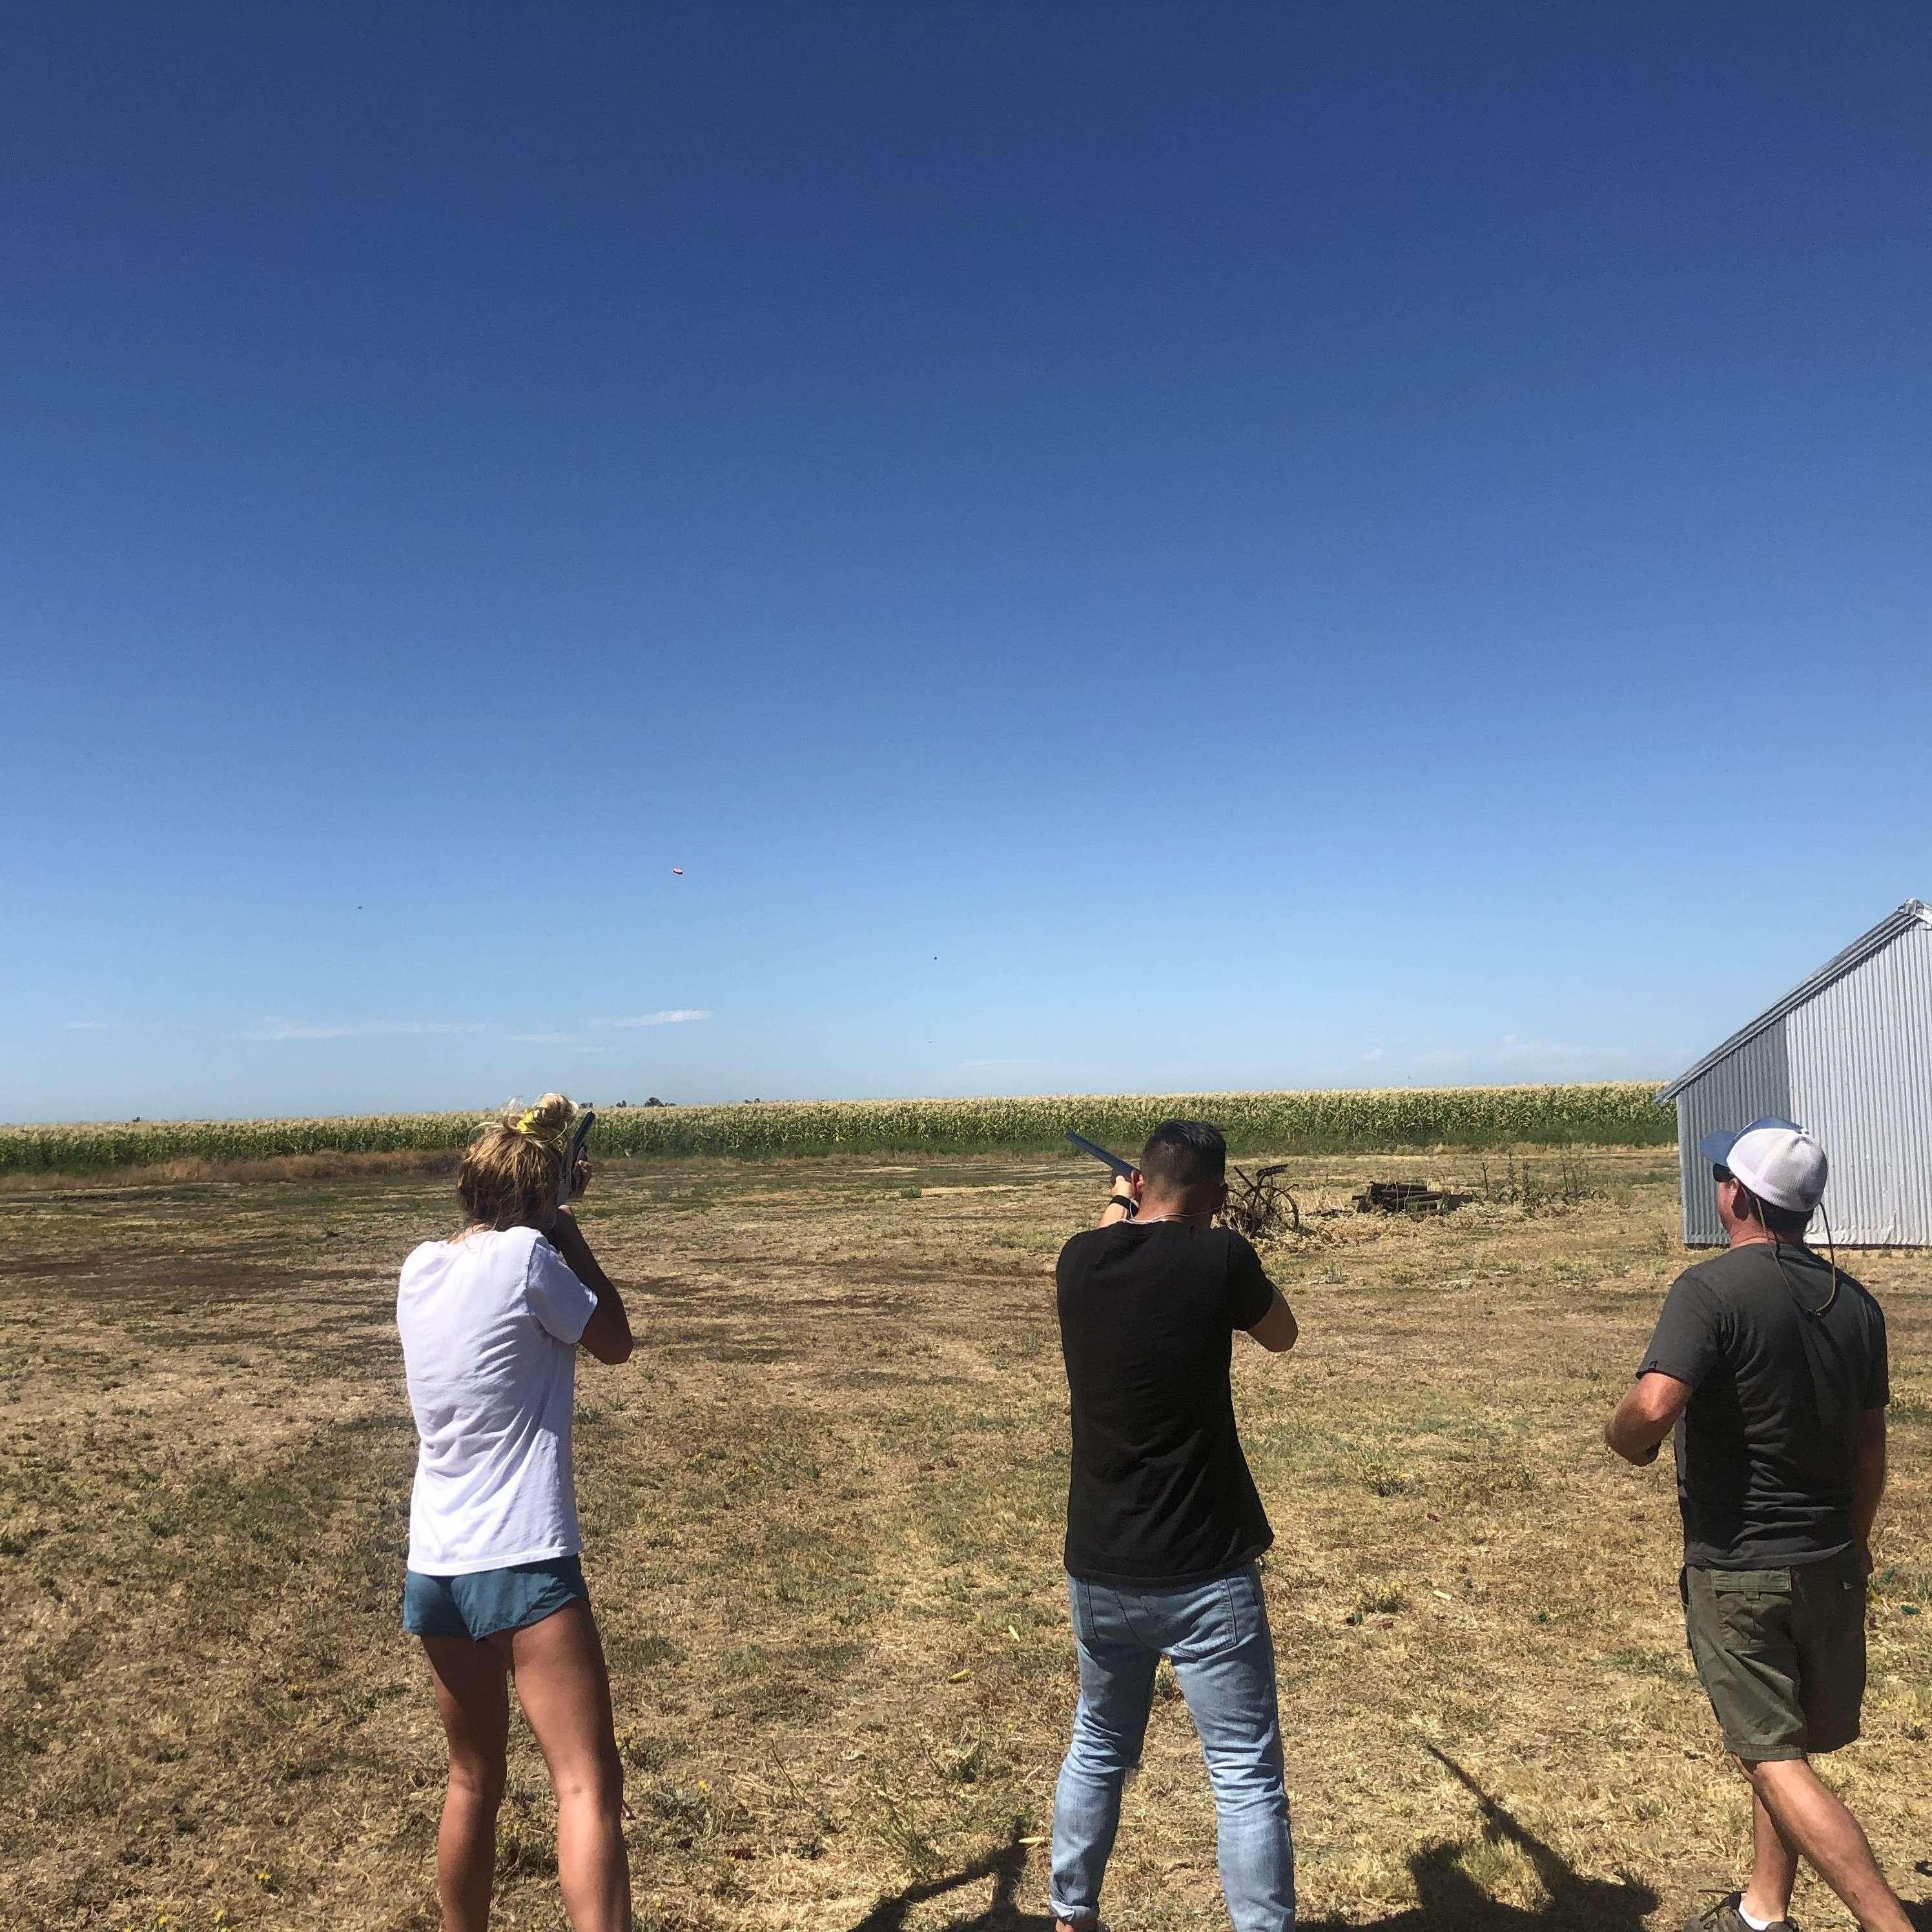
(490, 1326)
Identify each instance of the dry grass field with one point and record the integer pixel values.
(823, 1507)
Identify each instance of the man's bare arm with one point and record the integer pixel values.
(1868, 1477)
(1645, 1416)
(1276, 1330)
(1122, 1188)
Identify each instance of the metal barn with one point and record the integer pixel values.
(1847, 1055)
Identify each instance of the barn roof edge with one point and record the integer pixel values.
(1913, 912)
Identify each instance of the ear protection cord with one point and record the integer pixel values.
(1777, 1248)
(1724, 1173)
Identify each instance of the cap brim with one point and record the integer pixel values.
(1716, 1148)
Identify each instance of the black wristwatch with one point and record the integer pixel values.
(1122, 1201)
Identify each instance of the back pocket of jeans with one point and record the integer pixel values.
(1218, 1623)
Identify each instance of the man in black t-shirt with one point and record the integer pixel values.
(1770, 1365)
(1163, 1524)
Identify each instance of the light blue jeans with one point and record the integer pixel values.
(1215, 1635)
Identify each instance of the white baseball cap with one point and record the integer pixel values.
(1778, 1162)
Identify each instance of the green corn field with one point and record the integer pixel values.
(1607, 1114)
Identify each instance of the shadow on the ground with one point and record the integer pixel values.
(1447, 1899)
(1921, 1914)
(1004, 1867)
(1450, 1900)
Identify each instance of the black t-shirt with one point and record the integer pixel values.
(1160, 1495)
(1765, 1448)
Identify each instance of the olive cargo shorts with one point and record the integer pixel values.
(1781, 1655)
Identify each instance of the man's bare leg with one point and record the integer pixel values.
(1811, 1821)
(1774, 1868)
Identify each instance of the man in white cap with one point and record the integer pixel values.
(1770, 1365)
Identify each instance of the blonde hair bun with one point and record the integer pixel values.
(547, 1121)
(512, 1174)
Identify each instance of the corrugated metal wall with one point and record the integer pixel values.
(1743, 1086)
(1861, 1053)
(1853, 1064)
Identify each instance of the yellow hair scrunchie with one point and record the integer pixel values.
(526, 1127)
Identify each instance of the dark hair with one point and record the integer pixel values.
(1181, 1156)
(1788, 1222)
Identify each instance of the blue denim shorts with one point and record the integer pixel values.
(487, 1602)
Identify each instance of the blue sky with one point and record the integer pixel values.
(1117, 546)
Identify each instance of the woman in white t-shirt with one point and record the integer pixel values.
(491, 1321)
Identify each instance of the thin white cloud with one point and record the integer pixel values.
(279, 1028)
(670, 1016)
(1552, 1057)
(87, 1026)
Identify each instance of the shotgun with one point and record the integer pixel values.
(1124, 1168)
(572, 1153)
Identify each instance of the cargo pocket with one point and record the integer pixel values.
(1744, 1641)
(1726, 1613)
(1831, 1636)
(1740, 1584)
(1752, 1610)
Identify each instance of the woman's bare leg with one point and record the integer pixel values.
(565, 1693)
(473, 1694)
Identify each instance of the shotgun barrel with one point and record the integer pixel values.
(1124, 1168)
(572, 1153)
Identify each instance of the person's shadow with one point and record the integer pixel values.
(1448, 1899)
(1004, 1866)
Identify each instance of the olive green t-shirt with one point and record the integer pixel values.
(1780, 1370)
